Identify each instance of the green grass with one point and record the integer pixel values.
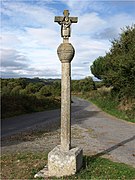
(22, 165)
(101, 168)
(109, 105)
(26, 165)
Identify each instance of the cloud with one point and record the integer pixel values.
(89, 23)
(30, 37)
(46, 37)
(10, 40)
(9, 74)
(15, 64)
(12, 59)
(77, 6)
(107, 33)
(89, 48)
(80, 7)
(12, 63)
(121, 20)
(21, 14)
(114, 27)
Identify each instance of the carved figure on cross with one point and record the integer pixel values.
(65, 23)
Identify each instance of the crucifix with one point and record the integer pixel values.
(65, 22)
(66, 53)
(64, 160)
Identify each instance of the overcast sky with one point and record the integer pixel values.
(30, 37)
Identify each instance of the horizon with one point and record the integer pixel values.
(30, 37)
(94, 78)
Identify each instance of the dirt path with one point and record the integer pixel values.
(93, 130)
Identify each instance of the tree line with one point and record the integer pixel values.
(24, 95)
(117, 69)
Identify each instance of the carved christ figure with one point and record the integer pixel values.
(65, 22)
(65, 26)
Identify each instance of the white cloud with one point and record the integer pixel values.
(24, 14)
(89, 48)
(46, 37)
(89, 23)
(77, 6)
(11, 58)
(10, 40)
(115, 25)
(121, 20)
(31, 35)
(15, 64)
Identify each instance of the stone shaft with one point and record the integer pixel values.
(66, 107)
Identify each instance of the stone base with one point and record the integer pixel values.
(62, 163)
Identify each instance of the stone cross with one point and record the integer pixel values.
(64, 160)
(66, 53)
(65, 22)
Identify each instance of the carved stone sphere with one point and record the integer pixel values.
(65, 52)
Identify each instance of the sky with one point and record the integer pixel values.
(30, 37)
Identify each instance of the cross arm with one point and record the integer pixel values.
(60, 18)
(74, 19)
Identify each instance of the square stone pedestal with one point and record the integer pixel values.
(62, 163)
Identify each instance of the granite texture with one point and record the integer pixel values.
(65, 52)
(62, 163)
(66, 107)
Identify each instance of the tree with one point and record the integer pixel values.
(98, 68)
(87, 84)
(117, 68)
(46, 91)
(56, 88)
(32, 88)
(83, 85)
(16, 90)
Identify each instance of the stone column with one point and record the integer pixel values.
(66, 53)
(65, 107)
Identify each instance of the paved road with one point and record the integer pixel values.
(106, 135)
(39, 120)
(98, 133)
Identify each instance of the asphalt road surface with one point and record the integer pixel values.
(46, 119)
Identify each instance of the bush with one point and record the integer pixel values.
(83, 85)
(16, 104)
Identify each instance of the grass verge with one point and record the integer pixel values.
(22, 165)
(26, 165)
(108, 105)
